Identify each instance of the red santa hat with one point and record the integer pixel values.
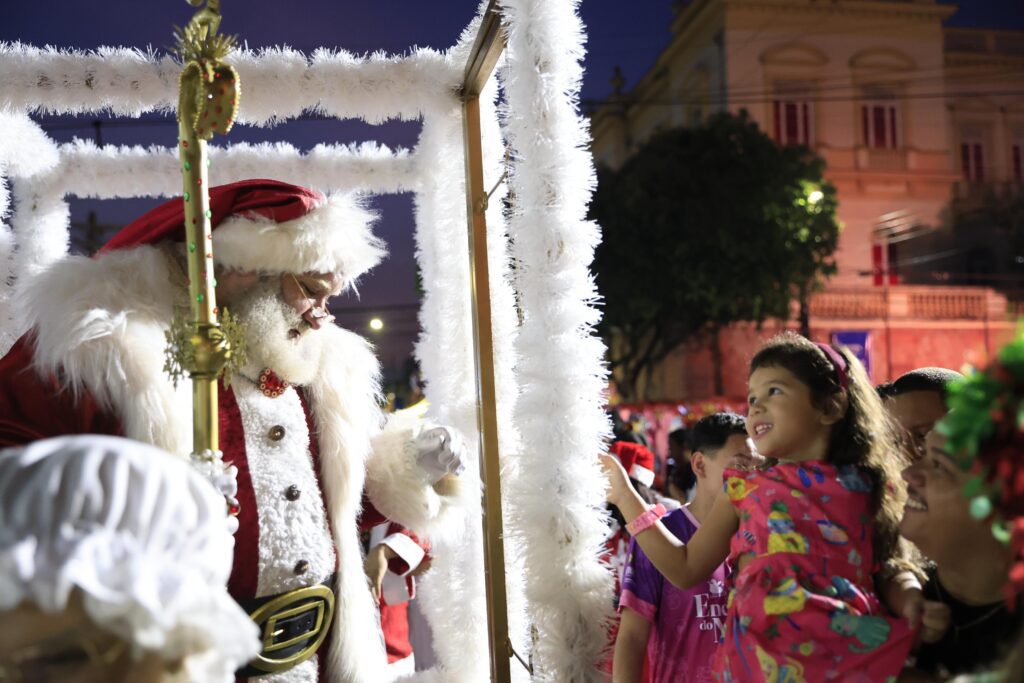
(270, 226)
(636, 459)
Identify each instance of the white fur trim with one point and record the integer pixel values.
(335, 237)
(407, 550)
(100, 324)
(345, 399)
(399, 488)
(289, 530)
(642, 474)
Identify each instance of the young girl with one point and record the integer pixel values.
(807, 536)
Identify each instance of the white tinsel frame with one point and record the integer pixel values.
(548, 370)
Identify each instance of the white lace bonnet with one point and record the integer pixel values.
(142, 536)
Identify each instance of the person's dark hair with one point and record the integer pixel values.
(681, 474)
(925, 379)
(712, 431)
(885, 390)
(862, 437)
(680, 437)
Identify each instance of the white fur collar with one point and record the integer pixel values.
(99, 325)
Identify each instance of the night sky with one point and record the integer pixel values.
(629, 33)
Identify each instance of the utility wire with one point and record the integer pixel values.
(767, 98)
(764, 98)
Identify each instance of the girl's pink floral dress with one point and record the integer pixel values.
(804, 607)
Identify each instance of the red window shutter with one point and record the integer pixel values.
(778, 122)
(979, 162)
(1018, 171)
(876, 263)
(892, 128)
(864, 125)
(965, 160)
(805, 131)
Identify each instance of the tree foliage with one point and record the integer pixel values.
(704, 227)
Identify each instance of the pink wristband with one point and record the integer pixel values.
(646, 519)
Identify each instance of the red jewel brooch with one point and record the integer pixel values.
(271, 385)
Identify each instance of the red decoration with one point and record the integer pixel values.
(271, 385)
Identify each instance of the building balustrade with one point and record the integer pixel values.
(912, 302)
(881, 159)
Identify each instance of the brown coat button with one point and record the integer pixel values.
(276, 433)
(292, 493)
(301, 567)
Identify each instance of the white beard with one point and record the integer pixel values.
(270, 335)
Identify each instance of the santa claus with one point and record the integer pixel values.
(301, 420)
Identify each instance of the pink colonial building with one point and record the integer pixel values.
(910, 117)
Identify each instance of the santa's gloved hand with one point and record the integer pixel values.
(440, 451)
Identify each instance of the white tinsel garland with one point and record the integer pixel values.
(279, 83)
(86, 170)
(560, 417)
(445, 352)
(25, 152)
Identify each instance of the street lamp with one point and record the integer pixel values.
(376, 324)
(815, 196)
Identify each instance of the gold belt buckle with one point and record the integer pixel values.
(318, 599)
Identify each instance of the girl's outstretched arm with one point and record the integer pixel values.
(684, 565)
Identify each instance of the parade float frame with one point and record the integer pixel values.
(507, 347)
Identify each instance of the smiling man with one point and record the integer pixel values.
(970, 565)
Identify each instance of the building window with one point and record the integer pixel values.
(793, 122)
(885, 263)
(972, 161)
(880, 125)
(972, 151)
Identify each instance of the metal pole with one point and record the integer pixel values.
(487, 48)
(487, 414)
(207, 104)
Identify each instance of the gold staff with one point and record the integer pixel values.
(207, 104)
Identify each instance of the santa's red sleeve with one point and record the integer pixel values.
(34, 407)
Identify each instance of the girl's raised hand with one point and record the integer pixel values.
(618, 480)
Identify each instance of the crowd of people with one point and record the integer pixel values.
(837, 532)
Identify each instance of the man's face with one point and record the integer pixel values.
(936, 516)
(309, 293)
(916, 412)
(735, 453)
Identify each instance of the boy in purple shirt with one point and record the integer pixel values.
(677, 630)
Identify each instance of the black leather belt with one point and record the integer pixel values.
(292, 626)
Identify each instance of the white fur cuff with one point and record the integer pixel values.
(406, 549)
(401, 490)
